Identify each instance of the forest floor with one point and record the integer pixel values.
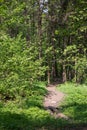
(52, 103)
(64, 108)
(53, 100)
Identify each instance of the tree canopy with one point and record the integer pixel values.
(42, 40)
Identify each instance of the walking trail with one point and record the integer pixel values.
(52, 101)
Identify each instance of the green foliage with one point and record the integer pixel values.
(19, 67)
(36, 37)
(60, 40)
(75, 103)
(22, 119)
(78, 60)
(81, 68)
(31, 119)
(24, 112)
(27, 113)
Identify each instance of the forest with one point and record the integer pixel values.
(43, 43)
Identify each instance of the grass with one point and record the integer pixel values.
(27, 113)
(75, 103)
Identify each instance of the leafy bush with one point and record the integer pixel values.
(19, 67)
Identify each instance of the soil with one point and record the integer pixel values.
(52, 101)
(54, 97)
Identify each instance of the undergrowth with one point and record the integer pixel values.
(75, 103)
(27, 112)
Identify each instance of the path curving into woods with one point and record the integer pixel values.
(52, 101)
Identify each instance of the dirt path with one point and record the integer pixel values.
(53, 100)
(54, 97)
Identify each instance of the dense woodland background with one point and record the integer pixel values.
(41, 40)
(46, 38)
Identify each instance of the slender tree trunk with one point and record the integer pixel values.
(48, 76)
(64, 62)
(39, 29)
(64, 73)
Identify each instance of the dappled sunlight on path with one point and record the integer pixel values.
(54, 97)
(52, 102)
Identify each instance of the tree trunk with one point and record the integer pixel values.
(64, 62)
(64, 73)
(39, 29)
